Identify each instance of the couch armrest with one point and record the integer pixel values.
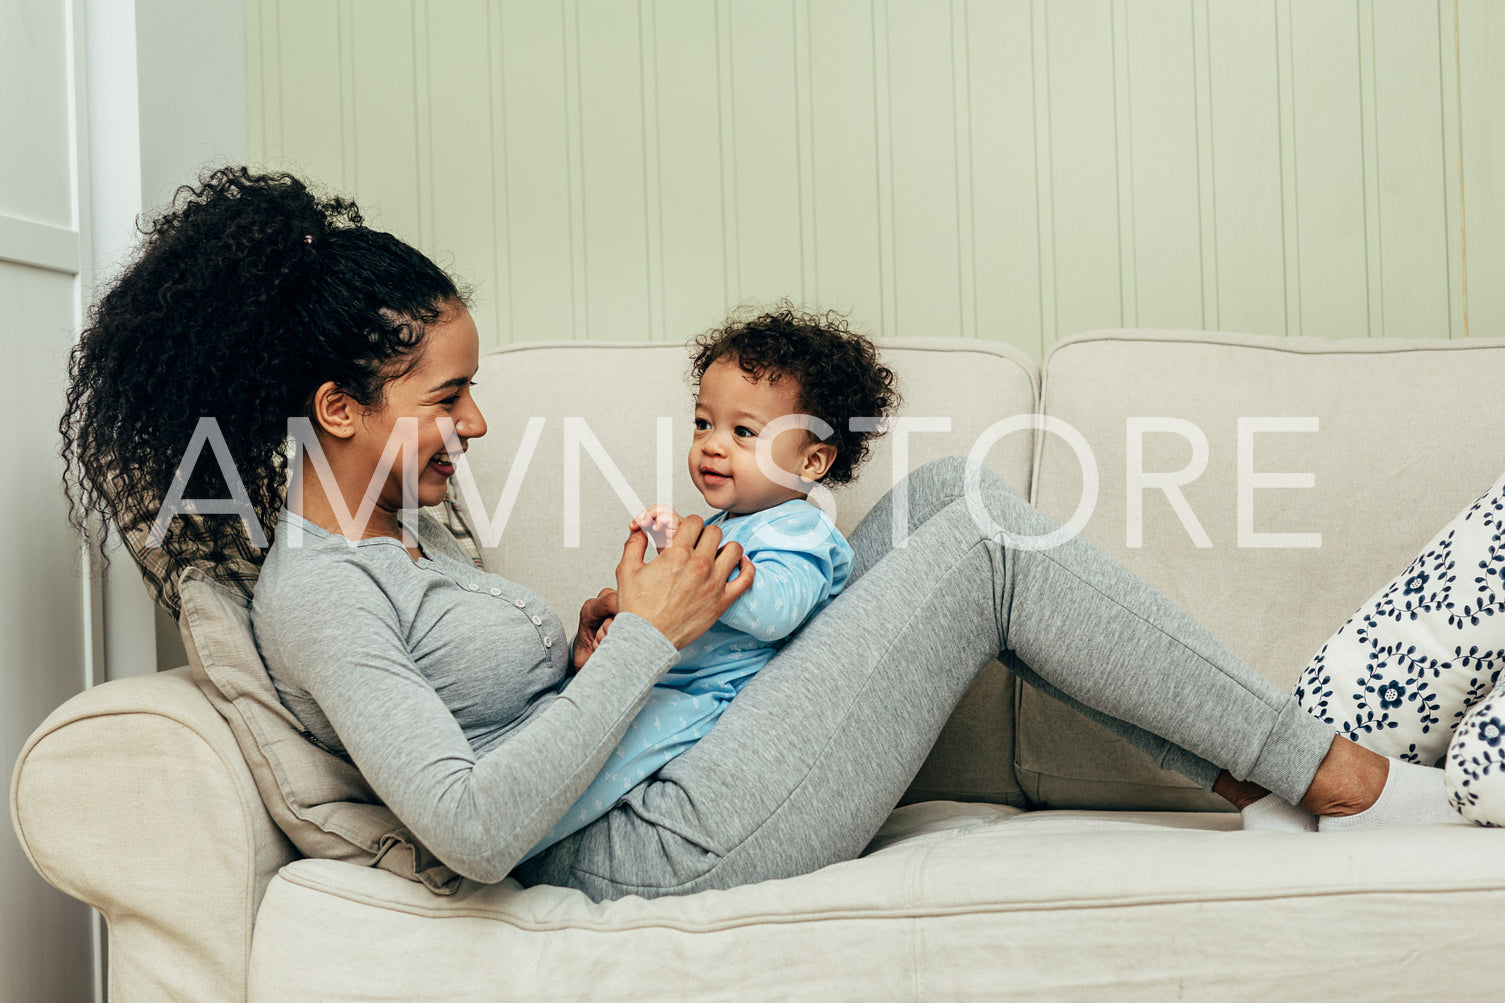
(134, 798)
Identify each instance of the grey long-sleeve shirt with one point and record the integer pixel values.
(443, 685)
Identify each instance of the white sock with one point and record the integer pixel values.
(1413, 795)
(1270, 812)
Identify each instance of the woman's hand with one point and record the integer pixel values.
(595, 616)
(684, 589)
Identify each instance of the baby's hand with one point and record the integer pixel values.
(660, 522)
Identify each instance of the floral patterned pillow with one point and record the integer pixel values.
(1475, 777)
(1400, 675)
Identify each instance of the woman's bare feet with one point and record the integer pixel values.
(1349, 780)
(1239, 793)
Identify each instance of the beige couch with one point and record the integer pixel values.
(1126, 883)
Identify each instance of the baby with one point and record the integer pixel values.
(756, 455)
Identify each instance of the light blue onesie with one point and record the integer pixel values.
(802, 562)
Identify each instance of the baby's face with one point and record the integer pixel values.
(732, 415)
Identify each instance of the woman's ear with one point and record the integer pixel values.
(818, 459)
(334, 411)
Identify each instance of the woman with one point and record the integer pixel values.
(253, 301)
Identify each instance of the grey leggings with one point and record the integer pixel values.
(812, 756)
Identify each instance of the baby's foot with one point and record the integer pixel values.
(1475, 771)
(1413, 795)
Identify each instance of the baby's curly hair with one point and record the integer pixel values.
(837, 370)
(248, 292)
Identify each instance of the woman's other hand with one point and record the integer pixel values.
(684, 589)
(595, 615)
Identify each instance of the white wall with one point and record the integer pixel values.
(1017, 170)
(45, 937)
(167, 96)
(107, 105)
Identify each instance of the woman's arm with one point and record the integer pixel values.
(478, 815)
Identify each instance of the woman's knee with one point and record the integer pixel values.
(948, 479)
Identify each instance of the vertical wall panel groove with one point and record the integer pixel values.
(802, 127)
(804, 143)
(1208, 242)
(575, 158)
(1451, 158)
(1123, 152)
(1044, 157)
(423, 132)
(496, 105)
(966, 185)
(1289, 189)
(256, 126)
(1013, 171)
(272, 27)
(883, 166)
(653, 182)
(349, 163)
(1369, 131)
(726, 135)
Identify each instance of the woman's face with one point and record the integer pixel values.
(438, 387)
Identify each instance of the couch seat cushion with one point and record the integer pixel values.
(952, 900)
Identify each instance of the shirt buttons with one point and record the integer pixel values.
(496, 592)
(548, 642)
(519, 604)
(473, 587)
(538, 621)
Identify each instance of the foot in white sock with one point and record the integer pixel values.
(1270, 812)
(1413, 795)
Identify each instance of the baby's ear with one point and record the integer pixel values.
(818, 460)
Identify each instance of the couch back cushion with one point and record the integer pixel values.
(1367, 446)
(581, 433)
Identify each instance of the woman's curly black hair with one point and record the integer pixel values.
(248, 292)
(837, 370)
